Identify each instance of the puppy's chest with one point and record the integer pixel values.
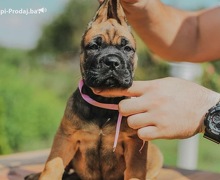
(95, 151)
(95, 138)
(103, 129)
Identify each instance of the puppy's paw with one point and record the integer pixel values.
(34, 176)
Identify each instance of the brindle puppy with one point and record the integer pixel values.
(86, 134)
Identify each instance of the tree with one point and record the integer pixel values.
(62, 36)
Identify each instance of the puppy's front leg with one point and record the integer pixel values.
(135, 160)
(63, 149)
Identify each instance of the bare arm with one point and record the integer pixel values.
(175, 34)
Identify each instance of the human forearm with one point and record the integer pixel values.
(158, 26)
(174, 34)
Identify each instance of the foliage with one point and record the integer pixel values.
(63, 35)
(211, 77)
(149, 66)
(29, 111)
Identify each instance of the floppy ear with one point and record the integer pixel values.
(110, 9)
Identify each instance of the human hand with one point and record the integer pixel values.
(168, 108)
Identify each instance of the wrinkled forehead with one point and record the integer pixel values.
(111, 33)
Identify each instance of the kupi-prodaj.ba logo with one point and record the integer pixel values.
(28, 11)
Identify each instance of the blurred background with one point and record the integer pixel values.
(39, 69)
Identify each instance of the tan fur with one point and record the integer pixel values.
(75, 135)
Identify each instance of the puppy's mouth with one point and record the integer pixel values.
(109, 80)
(109, 72)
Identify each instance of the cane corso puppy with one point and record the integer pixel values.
(85, 138)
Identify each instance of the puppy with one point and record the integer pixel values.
(85, 138)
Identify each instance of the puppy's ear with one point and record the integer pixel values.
(110, 9)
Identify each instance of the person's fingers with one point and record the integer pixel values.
(148, 133)
(140, 120)
(132, 106)
(137, 89)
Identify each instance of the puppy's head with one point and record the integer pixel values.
(108, 50)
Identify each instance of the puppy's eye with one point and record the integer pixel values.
(128, 48)
(93, 47)
(123, 42)
(99, 40)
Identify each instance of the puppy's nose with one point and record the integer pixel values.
(112, 62)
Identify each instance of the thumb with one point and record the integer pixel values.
(137, 89)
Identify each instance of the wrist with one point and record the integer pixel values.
(212, 101)
(212, 124)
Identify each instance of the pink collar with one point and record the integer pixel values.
(105, 106)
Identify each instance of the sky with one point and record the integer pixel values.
(192, 4)
(21, 30)
(18, 29)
